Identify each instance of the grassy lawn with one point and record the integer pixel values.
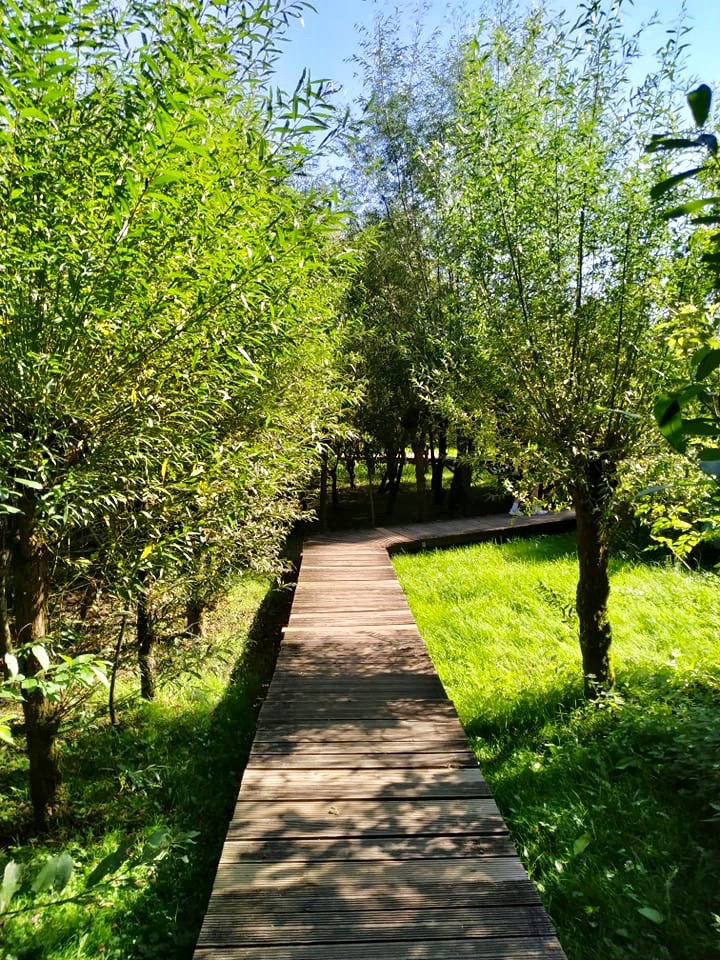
(614, 808)
(174, 765)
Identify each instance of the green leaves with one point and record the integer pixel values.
(120, 866)
(109, 865)
(651, 914)
(704, 362)
(660, 188)
(55, 874)
(581, 844)
(700, 100)
(12, 876)
(688, 417)
(668, 416)
(41, 655)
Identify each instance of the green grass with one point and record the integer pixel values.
(613, 807)
(173, 764)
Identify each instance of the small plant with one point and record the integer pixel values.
(123, 866)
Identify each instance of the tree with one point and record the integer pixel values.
(566, 259)
(409, 317)
(154, 243)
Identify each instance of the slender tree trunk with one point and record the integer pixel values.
(28, 560)
(461, 481)
(89, 598)
(115, 667)
(393, 487)
(146, 640)
(350, 466)
(5, 629)
(390, 472)
(593, 589)
(334, 498)
(419, 449)
(323, 507)
(195, 610)
(438, 468)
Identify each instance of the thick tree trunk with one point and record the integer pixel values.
(593, 589)
(145, 627)
(30, 589)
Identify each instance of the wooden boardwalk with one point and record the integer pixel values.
(364, 829)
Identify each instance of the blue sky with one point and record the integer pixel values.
(329, 37)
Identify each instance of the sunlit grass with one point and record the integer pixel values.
(612, 807)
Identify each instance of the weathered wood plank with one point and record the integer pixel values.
(365, 784)
(297, 761)
(343, 730)
(331, 746)
(349, 901)
(328, 849)
(515, 948)
(428, 924)
(396, 812)
(234, 877)
(255, 820)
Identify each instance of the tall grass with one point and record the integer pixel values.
(613, 806)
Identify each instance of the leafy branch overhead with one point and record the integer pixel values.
(704, 211)
(689, 415)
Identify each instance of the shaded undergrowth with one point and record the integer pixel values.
(174, 764)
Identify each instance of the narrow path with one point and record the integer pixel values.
(364, 829)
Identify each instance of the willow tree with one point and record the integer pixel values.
(153, 241)
(568, 263)
(405, 297)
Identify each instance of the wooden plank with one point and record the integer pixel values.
(331, 746)
(351, 576)
(429, 924)
(366, 784)
(349, 901)
(382, 634)
(327, 849)
(350, 689)
(368, 727)
(307, 659)
(399, 761)
(360, 614)
(234, 877)
(515, 948)
(378, 708)
(293, 818)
